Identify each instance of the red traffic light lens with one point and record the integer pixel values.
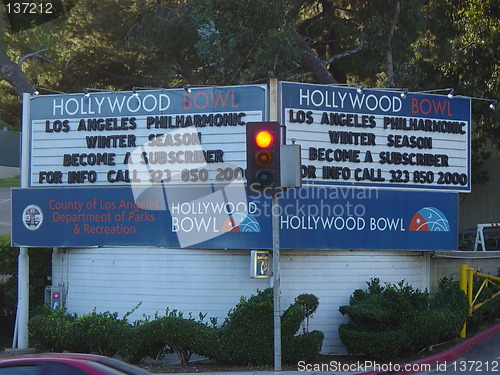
(264, 158)
(264, 139)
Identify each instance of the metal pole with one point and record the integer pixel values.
(463, 287)
(275, 210)
(276, 283)
(23, 298)
(22, 314)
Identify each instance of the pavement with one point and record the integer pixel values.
(5, 211)
(422, 366)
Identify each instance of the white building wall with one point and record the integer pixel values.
(212, 281)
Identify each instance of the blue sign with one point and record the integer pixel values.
(310, 218)
(379, 138)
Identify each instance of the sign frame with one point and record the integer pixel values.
(343, 127)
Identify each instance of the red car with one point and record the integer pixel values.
(67, 364)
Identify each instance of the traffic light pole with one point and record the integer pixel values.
(275, 210)
(276, 282)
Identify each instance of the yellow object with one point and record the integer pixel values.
(466, 283)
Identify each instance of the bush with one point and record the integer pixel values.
(378, 345)
(173, 332)
(382, 308)
(247, 335)
(386, 321)
(40, 271)
(50, 329)
(102, 333)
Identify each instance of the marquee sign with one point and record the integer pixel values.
(166, 168)
(172, 136)
(374, 137)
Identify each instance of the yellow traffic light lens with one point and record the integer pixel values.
(264, 139)
(264, 158)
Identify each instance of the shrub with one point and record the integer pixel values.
(49, 329)
(247, 335)
(310, 303)
(450, 295)
(175, 333)
(303, 347)
(378, 345)
(386, 321)
(40, 271)
(383, 308)
(103, 333)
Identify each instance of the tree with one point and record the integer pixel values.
(115, 44)
(12, 73)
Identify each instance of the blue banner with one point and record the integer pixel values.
(310, 218)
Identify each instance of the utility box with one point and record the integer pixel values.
(291, 176)
(54, 296)
(260, 266)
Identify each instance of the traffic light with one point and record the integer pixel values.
(263, 157)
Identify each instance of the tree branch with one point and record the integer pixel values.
(314, 64)
(28, 55)
(12, 73)
(345, 54)
(389, 60)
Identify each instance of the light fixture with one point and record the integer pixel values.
(134, 93)
(344, 84)
(359, 90)
(450, 94)
(493, 102)
(450, 91)
(39, 88)
(86, 94)
(404, 93)
(87, 90)
(188, 87)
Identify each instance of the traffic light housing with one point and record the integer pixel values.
(263, 157)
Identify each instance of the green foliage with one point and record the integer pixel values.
(103, 333)
(50, 329)
(384, 307)
(378, 345)
(245, 337)
(449, 295)
(386, 321)
(248, 330)
(40, 271)
(489, 311)
(309, 303)
(173, 332)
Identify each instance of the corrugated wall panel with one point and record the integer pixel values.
(212, 281)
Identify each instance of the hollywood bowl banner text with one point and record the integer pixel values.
(310, 218)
